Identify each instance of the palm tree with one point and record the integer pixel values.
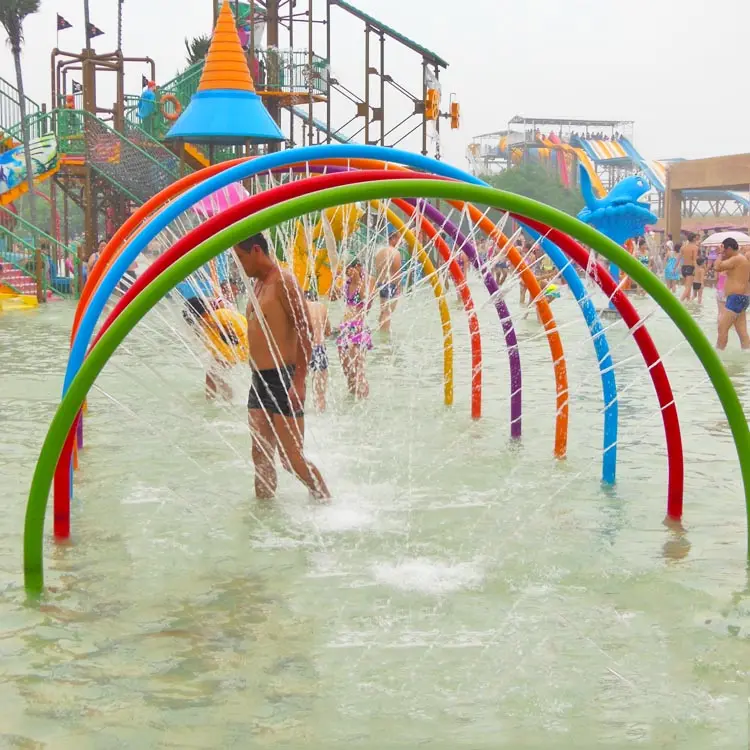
(197, 48)
(12, 15)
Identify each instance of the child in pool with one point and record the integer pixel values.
(672, 269)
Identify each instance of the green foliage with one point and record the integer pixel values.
(12, 15)
(536, 182)
(197, 48)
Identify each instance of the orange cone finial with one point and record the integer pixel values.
(226, 64)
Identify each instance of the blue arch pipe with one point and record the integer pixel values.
(234, 174)
(601, 346)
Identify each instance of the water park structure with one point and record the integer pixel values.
(605, 148)
(110, 158)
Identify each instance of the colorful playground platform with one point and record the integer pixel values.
(108, 162)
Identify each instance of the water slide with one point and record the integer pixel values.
(653, 171)
(13, 181)
(657, 175)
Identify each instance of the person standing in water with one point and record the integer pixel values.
(737, 268)
(672, 269)
(279, 335)
(388, 278)
(321, 330)
(700, 279)
(689, 257)
(354, 338)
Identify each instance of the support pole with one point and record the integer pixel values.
(328, 71)
(309, 68)
(672, 209)
(382, 89)
(367, 84)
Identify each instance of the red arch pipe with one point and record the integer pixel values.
(675, 458)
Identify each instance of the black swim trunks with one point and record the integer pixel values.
(688, 271)
(696, 286)
(270, 391)
(319, 359)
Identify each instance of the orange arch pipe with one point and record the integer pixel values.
(545, 313)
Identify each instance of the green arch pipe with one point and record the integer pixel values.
(100, 354)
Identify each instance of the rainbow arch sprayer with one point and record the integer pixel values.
(286, 203)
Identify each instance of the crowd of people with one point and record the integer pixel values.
(689, 267)
(287, 328)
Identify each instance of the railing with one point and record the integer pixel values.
(61, 270)
(156, 126)
(39, 124)
(282, 71)
(10, 108)
(289, 71)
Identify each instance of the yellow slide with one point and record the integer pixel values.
(196, 154)
(588, 165)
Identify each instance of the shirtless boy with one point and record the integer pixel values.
(388, 277)
(280, 340)
(737, 268)
(321, 330)
(689, 257)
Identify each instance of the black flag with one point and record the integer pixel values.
(144, 82)
(62, 24)
(77, 88)
(94, 31)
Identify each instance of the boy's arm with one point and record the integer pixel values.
(725, 265)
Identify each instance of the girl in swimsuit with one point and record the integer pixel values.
(354, 338)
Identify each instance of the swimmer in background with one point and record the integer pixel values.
(388, 278)
(321, 330)
(688, 257)
(700, 279)
(201, 302)
(672, 268)
(354, 339)
(530, 255)
(550, 292)
(280, 341)
(500, 265)
(737, 269)
(198, 312)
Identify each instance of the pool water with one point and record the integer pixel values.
(460, 590)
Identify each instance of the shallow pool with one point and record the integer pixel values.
(459, 591)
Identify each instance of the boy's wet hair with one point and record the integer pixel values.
(257, 239)
(692, 236)
(730, 244)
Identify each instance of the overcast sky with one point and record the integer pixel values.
(678, 68)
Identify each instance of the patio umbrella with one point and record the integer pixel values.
(718, 237)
